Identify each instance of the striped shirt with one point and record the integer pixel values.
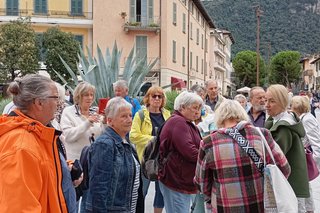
(136, 185)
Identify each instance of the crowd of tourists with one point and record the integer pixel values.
(60, 155)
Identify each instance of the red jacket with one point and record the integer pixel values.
(30, 169)
(179, 140)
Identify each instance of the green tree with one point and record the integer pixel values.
(57, 43)
(285, 68)
(245, 67)
(18, 49)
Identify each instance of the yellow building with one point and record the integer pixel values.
(73, 16)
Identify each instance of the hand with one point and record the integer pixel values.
(95, 118)
(77, 182)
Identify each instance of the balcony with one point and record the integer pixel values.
(140, 23)
(219, 66)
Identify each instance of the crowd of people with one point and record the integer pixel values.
(201, 167)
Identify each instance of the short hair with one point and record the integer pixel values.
(197, 88)
(230, 109)
(239, 97)
(300, 104)
(151, 91)
(185, 99)
(114, 105)
(280, 95)
(81, 89)
(121, 84)
(206, 83)
(253, 89)
(24, 90)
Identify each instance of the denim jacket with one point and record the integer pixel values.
(111, 175)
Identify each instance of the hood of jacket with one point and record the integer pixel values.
(291, 121)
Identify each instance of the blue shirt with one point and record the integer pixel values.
(135, 104)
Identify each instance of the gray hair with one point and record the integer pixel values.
(24, 90)
(197, 88)
(206, 83)
(185, 99)
(114, 105)
(61, 91)
(230, 109)
(239, 97)
(121, 84)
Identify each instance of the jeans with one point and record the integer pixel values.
(198, 200)
(158, 198)
(175, 202)
(83, 202)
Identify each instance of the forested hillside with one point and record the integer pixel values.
(287, 24)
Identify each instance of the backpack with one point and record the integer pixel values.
(84, 158)
(150, 158)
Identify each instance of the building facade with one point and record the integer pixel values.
(311, 72)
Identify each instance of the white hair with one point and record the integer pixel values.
(185, 99)
(61, 91)
(114, 105)
(121, 84)
(239, 97)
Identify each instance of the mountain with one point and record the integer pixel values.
(287, 24)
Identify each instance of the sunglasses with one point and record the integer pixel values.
(155, 96)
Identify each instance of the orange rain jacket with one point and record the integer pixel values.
(30, 169)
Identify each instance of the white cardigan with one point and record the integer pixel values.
(77, 130)
(311, 126)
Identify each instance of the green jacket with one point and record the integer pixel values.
(140, 133)
(287, 132)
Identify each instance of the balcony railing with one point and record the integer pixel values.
(142, 23)
(48, 13)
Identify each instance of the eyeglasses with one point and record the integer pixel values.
(155, 96)
(52, 96)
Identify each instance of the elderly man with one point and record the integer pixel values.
(121, 89)
(213, 98)
(257, 112)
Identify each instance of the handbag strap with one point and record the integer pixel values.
(244, 144)
(266, 145)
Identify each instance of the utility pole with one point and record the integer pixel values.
(258, 14)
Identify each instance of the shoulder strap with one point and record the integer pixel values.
(244, 144)
(141, 115)
(132, 102)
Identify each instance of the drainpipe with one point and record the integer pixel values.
(160, 17)
(188, 48)
(205, 53)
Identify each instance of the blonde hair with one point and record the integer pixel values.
(230, 109)
(300, 104)
(280, 95)
(151, 91)
(81, 89)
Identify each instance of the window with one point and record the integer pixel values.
(184, 23)
(141, 11)
(174, 54)
(183, 56)
(184, 2)
(141, 47)
(190, 60)
(12, 8)
(201, 41)
(201, 66)
(191, 30)
(174, 14)
(198, 15)
(198, 36)
(40, 6)
(79, 38)
(191, 7)
(76, 8)
(197, 63)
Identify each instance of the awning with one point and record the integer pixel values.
(177, 83)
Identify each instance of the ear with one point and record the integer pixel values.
(38, 104)
(109, 120)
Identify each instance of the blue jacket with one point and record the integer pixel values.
(135, 104)
(111, 175)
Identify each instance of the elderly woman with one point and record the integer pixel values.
(287, 130)
(179, 144)
(242, 100)
(144, 127)
(79, 123)
(222, 162)
(114, 169)
(30, 166)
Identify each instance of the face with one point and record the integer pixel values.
(156, 99)
(257, 100)
(122, 121)
(120, 92)
(242, 102)
(87, 99)
(212, 90)
(272, 106)
(49, 104)
(192, 112)
(202, 94)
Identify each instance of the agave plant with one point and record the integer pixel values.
(102, 72)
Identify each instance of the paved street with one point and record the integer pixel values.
(315, 184)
